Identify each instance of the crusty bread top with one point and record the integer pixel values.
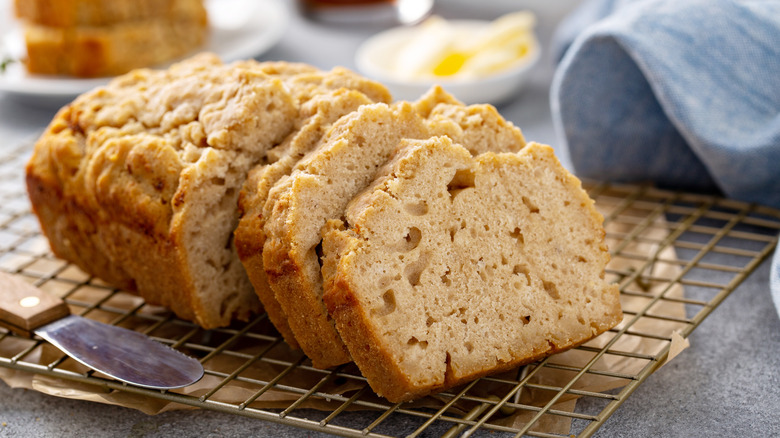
(451, 267)
(133, 138)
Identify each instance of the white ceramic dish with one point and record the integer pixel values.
(373, 61)
(240, 29)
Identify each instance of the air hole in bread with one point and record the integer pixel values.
(580, 319)
(318, 252)
(388, 304)
(551, 289)
(469, 346)
(525, 319)
(419, 208)
(384, 282)
(517, 234)
(429, 322)
(414, 270)
(582, 259)
(452, 234)
(531, 206)
(414, 341)
(411, 240)
(217, 181)
(524, 271)
(446, 278)
(463, 179)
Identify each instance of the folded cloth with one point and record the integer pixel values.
(685, 93)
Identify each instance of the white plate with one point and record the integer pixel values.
(240, 29)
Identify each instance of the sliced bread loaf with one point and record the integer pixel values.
(138, 182)
(319, 112)
(450, 267)
(324, 181)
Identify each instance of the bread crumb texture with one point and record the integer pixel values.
(346, 161)
(449, 267)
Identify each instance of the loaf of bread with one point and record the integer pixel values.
(91, 38)
(449, 267)
(423, 240)
(138, 182)
(76, 13)
(323, 182)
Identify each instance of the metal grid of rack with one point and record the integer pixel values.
(676, 257)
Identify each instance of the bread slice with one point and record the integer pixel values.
(320, 108)
(450, 267)
(137, 182)
(324, 181)
(93, 51)
(77, 13)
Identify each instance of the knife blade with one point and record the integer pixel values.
(123, 354)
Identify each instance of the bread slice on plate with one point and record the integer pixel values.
(449, 267)
(323, 182)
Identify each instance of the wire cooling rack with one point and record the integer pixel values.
(676, 257)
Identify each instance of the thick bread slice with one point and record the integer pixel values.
(324, 181)
(318, 111)
(137, 182)
(76, 13)
(93, 51)
(452, 267)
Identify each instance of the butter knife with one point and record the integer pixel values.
(123, 354)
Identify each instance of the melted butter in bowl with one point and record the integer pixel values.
(477, 61)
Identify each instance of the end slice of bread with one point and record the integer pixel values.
(450, 267)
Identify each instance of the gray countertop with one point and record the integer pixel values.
(726, 384)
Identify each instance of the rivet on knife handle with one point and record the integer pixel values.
(24, 307)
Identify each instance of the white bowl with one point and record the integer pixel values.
(372, 60)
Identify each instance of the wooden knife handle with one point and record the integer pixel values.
(24, 307)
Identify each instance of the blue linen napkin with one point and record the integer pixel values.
(685, 93)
